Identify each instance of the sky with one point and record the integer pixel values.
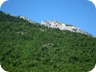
(80, 13)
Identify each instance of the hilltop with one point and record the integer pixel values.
(63, 26)
(34, 47)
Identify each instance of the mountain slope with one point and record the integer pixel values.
(28, 47)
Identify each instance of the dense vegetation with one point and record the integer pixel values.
(27, 47)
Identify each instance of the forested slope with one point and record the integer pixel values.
(27, 47)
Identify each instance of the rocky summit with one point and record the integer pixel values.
(63, 26)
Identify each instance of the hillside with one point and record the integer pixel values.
(31, 47)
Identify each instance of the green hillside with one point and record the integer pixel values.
(27, 47)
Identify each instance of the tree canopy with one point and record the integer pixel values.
(27, 47)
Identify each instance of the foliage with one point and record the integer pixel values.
(27, 47)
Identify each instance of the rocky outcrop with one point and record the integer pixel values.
(27, 19)
(62, 26)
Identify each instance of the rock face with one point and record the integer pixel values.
(26, 19)
(62, 26)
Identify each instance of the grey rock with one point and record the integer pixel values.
(63, 26)
(27, 19)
